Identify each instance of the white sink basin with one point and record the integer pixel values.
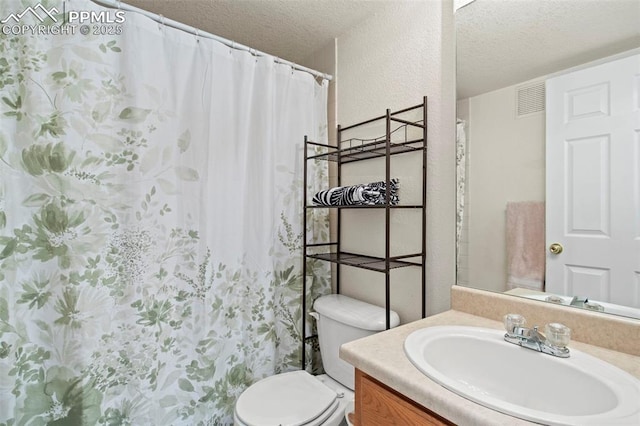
(479, 365)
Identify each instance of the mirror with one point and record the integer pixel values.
(505, 52)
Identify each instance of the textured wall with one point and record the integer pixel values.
(390, 61)
(324, 60)
(506, 164)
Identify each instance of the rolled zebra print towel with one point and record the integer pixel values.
(358, 195)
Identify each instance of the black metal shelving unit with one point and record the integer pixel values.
(355, 150)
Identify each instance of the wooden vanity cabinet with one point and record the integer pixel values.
(378, 405)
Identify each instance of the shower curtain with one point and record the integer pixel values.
(150, 222)
(461, 182)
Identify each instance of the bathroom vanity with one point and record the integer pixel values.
(379, 405)
(390, 390)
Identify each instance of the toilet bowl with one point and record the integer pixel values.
(298, 398)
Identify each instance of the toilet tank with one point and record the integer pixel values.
(342, 319)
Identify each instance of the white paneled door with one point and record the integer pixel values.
(593, 182)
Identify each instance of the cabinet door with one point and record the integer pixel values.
(378, 405)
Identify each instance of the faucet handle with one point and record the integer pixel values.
(557, 334)
(511, 321)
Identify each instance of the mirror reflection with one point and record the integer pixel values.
(548, 142)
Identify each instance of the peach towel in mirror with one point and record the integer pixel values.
(525, 245)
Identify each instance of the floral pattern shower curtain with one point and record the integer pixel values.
(150, 222)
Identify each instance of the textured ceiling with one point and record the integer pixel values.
(505, 42)
(288, 29)
(499, 42)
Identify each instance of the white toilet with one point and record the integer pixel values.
(299, 399)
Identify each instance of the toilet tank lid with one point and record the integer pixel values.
(355, 313)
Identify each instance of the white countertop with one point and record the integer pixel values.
(382, 356)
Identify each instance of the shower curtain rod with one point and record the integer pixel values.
(183, 27)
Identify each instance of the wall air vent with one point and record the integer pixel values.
(530, 99)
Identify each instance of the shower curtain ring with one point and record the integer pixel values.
(119, 4)
(161, 26)
(232, 47)
(197, 36)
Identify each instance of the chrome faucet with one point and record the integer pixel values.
(554, 343)
(584, 302)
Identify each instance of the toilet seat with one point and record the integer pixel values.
(288, 399)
